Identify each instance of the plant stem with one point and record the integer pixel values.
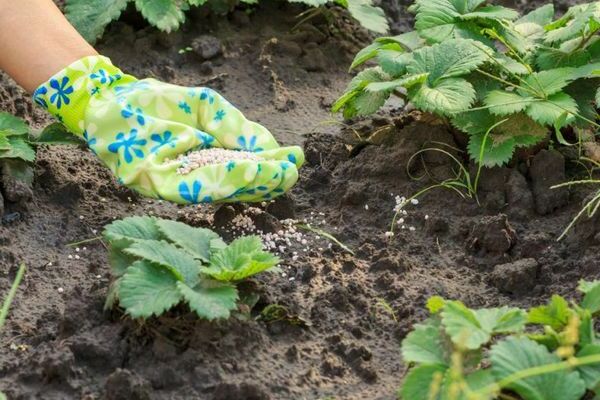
(11, 294)
(539, 370)
(329, 236)
(84, 241)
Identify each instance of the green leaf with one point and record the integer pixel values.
(196, 241)
(439, 20)
(548, 58)
(591, 300)
(446, 97)
(410, 41)
(90, 17)
(511, 65)
(4, 143)
(370, 52)
(435, 304)
(9, 122)
(572, 24)
(587, 334)
(501, 102)
(449, 59)
(367, 103)
(243, 258)
(132, 229)
(545, 112)
(492, 12)
(425, 345)
(407, 82)
(210, 300)
(166, 15)
(474, 122)
(147, 290)
(473, 328)
(540, 16)
(494, 154)
(420, 382)
(590, 373)
(555, 314)
(371, 17)
(181, 264)
(517, 354)
(118, 260)
(56, 133)
(394, 62)
(19, 148)
(586, 286)
(551, 81)
(452, 388)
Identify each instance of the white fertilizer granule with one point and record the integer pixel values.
(201, 158)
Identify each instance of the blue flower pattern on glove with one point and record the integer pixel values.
(191, 193)
(128, 112)
(129, 144)
(248, 145)
(166, 139)
(103, 77)
(220, 114)
(206, 140)
(37, 96)
(62, 92)
(207, 94)
(91, 141)
(185, 107)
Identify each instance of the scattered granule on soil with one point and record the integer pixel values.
(201, 158)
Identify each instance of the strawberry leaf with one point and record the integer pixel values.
(90, 17)
(446, 97)
(147, 289)
(473, 328)
(555, 314)
(133, 229)
(196, 241)
(179, 262)
(425, 345)
(419, 381)
(166, 15)
(517, 354)
(243, 258)
(210, 300)
(12, 125)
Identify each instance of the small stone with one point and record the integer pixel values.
(517, 277)
(206, 46)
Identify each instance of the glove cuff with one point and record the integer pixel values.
(67, 94)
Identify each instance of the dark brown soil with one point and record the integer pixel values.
(346, 315)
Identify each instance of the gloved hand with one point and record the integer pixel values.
(138, 128)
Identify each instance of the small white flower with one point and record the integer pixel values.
(389, 234)
(366, 206)
(60, 290)
(411, 228)
(415, 201)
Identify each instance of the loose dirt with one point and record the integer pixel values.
(329, 325)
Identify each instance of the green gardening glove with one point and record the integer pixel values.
(138, 128)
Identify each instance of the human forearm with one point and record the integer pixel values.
(36, 41)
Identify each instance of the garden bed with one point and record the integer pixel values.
(341, 316)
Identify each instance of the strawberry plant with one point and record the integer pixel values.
(158, 263)
(502, 79)
(17, 147)
(90, 17)
(550, 352)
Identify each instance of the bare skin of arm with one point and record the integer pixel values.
(37, 41)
